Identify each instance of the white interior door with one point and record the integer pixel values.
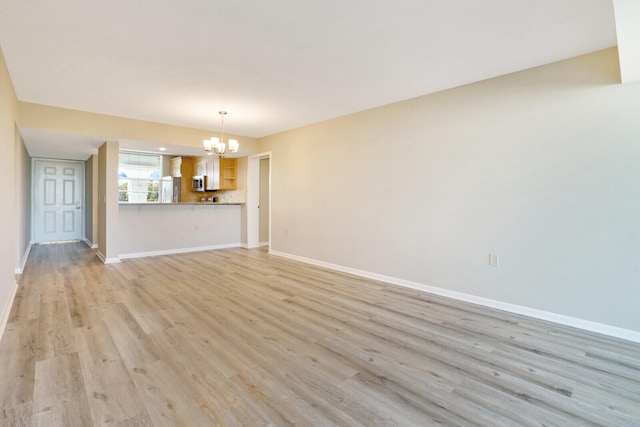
(57, 200)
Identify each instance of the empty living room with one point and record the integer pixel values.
(407, 213)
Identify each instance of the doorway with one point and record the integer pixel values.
(263, 207)
(259, 200)
(58, 194)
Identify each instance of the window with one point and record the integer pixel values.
(139, 177)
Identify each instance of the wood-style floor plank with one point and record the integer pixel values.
(59, 395)
(241, 338)
(113, 396)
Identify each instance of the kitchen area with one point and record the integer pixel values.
(174, 204)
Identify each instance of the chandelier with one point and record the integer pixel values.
(216, 145)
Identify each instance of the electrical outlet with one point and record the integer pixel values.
(494, 260)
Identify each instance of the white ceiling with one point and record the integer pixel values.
(281, 64)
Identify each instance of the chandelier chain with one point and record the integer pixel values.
(222, 114)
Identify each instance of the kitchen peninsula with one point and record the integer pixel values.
(148, 229)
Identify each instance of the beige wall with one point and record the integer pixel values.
(539, 166)
(23, 200)
(8, 220)
(108, 213)
(112, 128)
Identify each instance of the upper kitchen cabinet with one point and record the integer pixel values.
(220, 174)
(200, 168)
(176, 166)
(212, 172)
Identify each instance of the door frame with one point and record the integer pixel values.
(253, 199)
(83, 195)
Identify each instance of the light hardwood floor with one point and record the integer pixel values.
(241, 338)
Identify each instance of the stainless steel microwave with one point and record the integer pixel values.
(197, 183)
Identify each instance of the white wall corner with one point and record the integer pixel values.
(627, 17)
(106, 260)
(90, 244)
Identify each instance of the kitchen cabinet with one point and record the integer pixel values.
(221, 174)
(212, 171)
(186, 193)
(200, 168)
(176, 166)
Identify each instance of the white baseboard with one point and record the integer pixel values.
(587, 325)
(90, 244)
(106, 260)
(20, 269)
(263, 244)
(6, 311)
(179, 251)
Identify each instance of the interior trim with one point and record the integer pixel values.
(7, 308)
(106, 260)
(20, 269)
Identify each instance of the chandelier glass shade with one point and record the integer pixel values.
(217, 145)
